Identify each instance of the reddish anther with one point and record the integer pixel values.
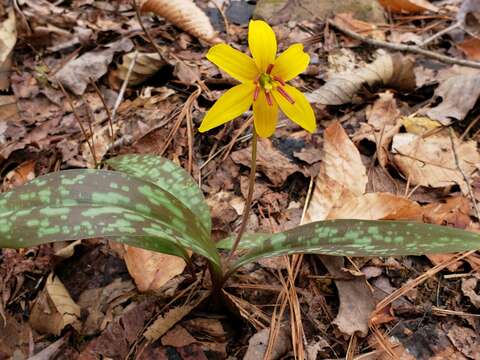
(269, 98)
(256, 92)
(269, 68)
(276, 78)
(284, 93)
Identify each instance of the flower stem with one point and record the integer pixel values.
(248, 204)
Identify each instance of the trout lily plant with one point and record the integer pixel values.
(152, 203)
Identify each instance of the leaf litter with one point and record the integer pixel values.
(396, 139)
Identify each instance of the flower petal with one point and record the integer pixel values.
(235, 63)
(264, 116)
(233, 103)
(291, 62)
(262, 44)
(300, 112)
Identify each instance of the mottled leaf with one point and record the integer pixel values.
(168, 176)
(357, 238)
(77, 204)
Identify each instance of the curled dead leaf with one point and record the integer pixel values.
(146, 65)
(54, 308)
(395, 71)
(408, 6)
(347, 20)
(184, 14)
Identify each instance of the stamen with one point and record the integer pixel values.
(284, 93)
(280, 80)
(269, 98)
(256, 92)
(269, 68)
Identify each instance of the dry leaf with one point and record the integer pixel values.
(469, 16)
(381, 125)
(408, 6)
(20, 175)
(8, 38)
(346, 20)
(471, 48)
(465, 340)
(257, 345)
(468, 288)
(395, 71)
(54, 308)
(419, 124)
(164, 323)
(146, 65)
(451, 108)
(376, 206)
(151, 270)
(91, 66)
(184, 14)
(430, 161)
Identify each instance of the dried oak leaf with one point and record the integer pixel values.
(151, 270)
(184, 14)
(471, 48)
(468, 85)
(430, 161)
(468, 288)
(395, 71)
(408, 6)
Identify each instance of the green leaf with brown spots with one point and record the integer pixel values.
(356, 238)
(79, 204)
(170, 177)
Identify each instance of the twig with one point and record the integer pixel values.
(102, 99)
(124, 85)
(440, 33)
(405, 48)
(147, 33)
(82, 128)
(224, 18)
(465, 177)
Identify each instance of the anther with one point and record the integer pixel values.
(280, 80)
(284, 93)
(256, 92)
(269, 68)
(268, 96)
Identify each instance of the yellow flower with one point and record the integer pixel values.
(263, 83)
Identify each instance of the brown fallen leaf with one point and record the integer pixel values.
(347, 20)
(469, 16)
(54, 308)
(91, 66)
(164, 323)
(20, 175)
(395, 71)
(145, 66)
(8, 38)
(471, 48)
(151, 270)
(408, 6)
(382, 124)
(178, 336)
(465, 340)
(450, 108)
(430, 161)
(468, 288)
(276, 166)
(376, 206)
(186, 15)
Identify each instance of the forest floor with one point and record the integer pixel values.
(396, 138)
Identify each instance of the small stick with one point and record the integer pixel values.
(147, 33)
(440, 33)
(102, 99)
(124, 85)
(405, 48)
